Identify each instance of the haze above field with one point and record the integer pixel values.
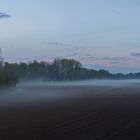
(35, 91)
(98, 33)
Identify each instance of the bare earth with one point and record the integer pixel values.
(70, 113)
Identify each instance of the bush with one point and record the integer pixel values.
(7, 79)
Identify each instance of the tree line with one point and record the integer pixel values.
(59, 69)
(7, 78)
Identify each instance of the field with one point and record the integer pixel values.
(99, 110)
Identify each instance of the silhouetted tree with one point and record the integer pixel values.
(59, 69)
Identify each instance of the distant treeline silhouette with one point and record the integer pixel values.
(7, 78)
(59, 69)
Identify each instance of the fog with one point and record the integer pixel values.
(97, 82)
(26, 93)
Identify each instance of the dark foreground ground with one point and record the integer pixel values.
(87, 113)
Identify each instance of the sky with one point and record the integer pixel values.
(98, 33)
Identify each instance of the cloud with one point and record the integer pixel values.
(56, 43)
(135, 54)
(76, 47)
(114, 62)
(114, 58)
(4, 15)
(88, 56)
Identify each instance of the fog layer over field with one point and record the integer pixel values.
(96, 109)
(27, 93)
(109, 83)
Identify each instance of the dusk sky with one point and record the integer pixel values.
(98, 33)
